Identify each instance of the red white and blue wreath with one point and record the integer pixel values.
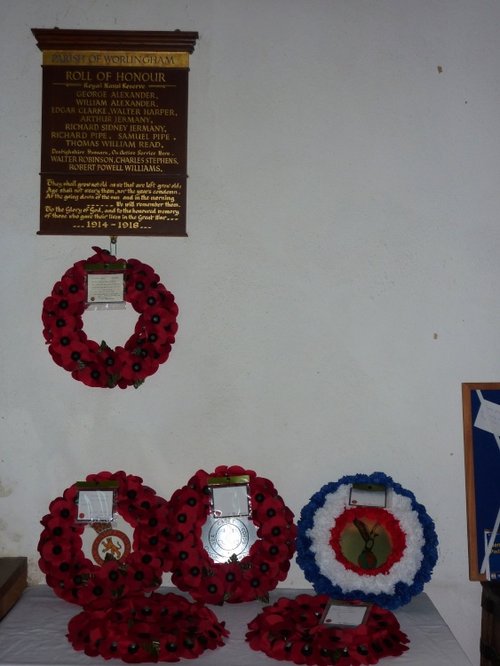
(97, 364)
(244, 578)
(409, 532)
(132, 566)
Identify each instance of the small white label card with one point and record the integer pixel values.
(230, 501)
(105, 288)
(95, 505)
(368, 494)
(230, 495)
(344, 614)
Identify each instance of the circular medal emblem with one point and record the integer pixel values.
(110, 545)
(226, 538)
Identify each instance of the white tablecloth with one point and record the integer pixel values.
(34, 632)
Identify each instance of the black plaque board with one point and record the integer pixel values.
(114, 132)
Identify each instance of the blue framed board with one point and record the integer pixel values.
(481, 420)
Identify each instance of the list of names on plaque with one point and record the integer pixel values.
(114, 142)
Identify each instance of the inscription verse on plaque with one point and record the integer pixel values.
(114, 141)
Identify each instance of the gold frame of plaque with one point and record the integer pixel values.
(114, 132)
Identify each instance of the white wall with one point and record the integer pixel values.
(340, 277)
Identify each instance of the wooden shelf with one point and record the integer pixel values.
(13, 580)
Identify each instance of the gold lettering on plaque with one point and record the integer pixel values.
(110, 205)
(156, 59)
(108, 129)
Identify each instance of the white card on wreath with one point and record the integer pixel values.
(344, 614)
(230, 501)
(95, 506)
(368, 494)
(105, 288)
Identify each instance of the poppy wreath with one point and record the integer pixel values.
(97, 365)
(410, 532)
(160, 627)
(252, 577)
(76, 578)
(291, 630)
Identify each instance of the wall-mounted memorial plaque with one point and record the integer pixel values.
(114, 131)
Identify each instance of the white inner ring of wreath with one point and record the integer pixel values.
(403, 571)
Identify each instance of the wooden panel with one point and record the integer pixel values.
(114, 132)
(490, 624)
(174, 40)
(13, 580)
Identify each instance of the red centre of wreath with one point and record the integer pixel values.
(98, 365)
(367, 540)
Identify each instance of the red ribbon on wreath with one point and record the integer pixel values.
(98, 365)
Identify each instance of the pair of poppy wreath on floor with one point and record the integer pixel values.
(124, 617)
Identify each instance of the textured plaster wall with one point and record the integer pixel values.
(339, 280)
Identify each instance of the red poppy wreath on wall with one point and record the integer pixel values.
(231, 559)
(98, 365)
